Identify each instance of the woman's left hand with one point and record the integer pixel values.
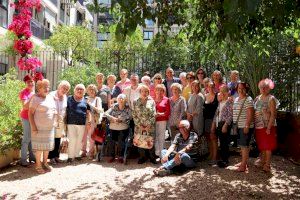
(268, 131)
(246, 130)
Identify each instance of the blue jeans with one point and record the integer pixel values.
(186, 160)
(26, 143)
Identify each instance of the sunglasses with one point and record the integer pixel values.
(200, 73)
(157, 78)
(190, 77)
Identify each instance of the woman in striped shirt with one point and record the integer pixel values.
(243, 114)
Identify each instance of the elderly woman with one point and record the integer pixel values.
(78, 114)
(217, 80)
(182, 77)
(25, 96)
(243, 114)
(187, 90)
(146, 80)
(156, 79)
(95, 104)
(162, 116)
(200, 76)
(265, 123)
(119, 116)
(210, 106)
(222, 124)
(144, 114)
(178, 108)
(195, 108)
(114, 90)
(103, 91)
(60, 97)
(42, 112)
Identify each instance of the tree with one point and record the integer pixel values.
(122, 53)
(74, 43)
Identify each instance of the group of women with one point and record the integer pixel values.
(215, 109)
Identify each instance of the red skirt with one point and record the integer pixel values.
(264, 141)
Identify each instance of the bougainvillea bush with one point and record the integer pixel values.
(20, 26)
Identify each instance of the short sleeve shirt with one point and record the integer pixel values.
(181, 143)
(76, 111)
(25, 95)
(237, 106)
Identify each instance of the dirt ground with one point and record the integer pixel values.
(93, 180)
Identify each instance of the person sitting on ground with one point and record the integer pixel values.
(180, 152)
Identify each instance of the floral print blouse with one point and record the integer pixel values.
(262, 111)
(144, 115)
(225, 113)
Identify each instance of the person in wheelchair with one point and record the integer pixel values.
(180, 152)
(119, 116)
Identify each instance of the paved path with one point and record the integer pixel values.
(91, 180)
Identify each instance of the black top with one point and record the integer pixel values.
(76, 111)
(210, 108)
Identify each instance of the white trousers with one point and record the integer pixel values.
(160, 129)
(75, 135)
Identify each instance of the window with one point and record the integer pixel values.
(104, 2)
(54, 2)
(62, 13)
(3, 68)
(148, 35)
(102, 38)
(3, 13)
(149, 22)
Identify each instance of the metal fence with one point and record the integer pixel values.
(138, 62)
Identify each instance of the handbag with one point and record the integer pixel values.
(99, 133)
(97, 116)
(63, 148)
(143, 139)
(235, 124)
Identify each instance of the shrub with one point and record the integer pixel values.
(10, 106)
(81, 74)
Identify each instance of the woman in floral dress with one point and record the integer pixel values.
(144, 114)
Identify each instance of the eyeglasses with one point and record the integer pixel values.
(157, 78)
(79, 89)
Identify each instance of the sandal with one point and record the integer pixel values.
(242, 168)
(267, 168)
(259, 163)
(40, 170)
(47, 167)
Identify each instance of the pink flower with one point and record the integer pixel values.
(23, 46)
(38, 76)
(29, 63)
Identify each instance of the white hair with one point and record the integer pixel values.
(64, 83)
(81, 86)
(121, 96)
(145, 78)
(185, 123)
(182, 75)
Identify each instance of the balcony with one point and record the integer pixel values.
(39, 30)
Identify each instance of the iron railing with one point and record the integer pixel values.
(139, 62)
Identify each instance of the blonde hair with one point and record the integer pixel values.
(41, 83)
(220, 76)
(92, 87)
(177, 85)
(111, 76)
(160, 86)
(142, 86)
(64, 83)
(100, 75)
(124, 70)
